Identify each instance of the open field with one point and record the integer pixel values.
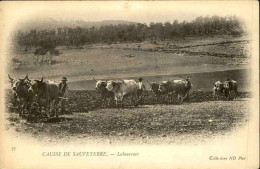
(204, 60)
(112, 61)
(190, 123)
(200, 81)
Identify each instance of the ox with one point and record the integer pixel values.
(230, 86)
(218, 88)
(46, 93)
(155, 88)
(179, 87)
(122, 89)
(24, 98)
(105, 94)
(14, 83)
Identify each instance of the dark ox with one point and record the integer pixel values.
(106, 96)
(123, 89)
(218, 89)
(155, 88)
(14, 83)
(179, 87)
(46, 94)
(230, 87)
(24, 98)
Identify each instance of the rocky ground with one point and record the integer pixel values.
(151, 123)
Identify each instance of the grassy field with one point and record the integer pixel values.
(153, 122)
(112, 62)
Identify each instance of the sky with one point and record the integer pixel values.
(143, 12)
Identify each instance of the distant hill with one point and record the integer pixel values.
(49, 23)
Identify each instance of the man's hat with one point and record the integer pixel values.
(64, 79)
(140, 79)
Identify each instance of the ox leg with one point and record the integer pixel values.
(22, 109)
(56, 107)
(132, 102)
(116, 101)
(102, 102)
(40, 107)
(29, 105)
(136, 100)
(121, 101)
(188, 96)
(236, 94)
(180, 99)
(171, 98)
(46, 107)
(229, 95)
(109, 102)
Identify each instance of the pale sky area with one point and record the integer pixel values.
(144, 12)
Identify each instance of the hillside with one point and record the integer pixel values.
(49, 23)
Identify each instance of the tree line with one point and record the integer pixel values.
(66, 36)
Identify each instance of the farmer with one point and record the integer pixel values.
(63, 89)
(188, 86)
(141, 88)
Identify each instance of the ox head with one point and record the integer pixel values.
(100, 85)
(228, 85)
(25, 82)
(163, 87)
(113, 85)
(218, 86)
(13, 82)
(110, 85)
(155, 87)
(188, 84)
(36, 86)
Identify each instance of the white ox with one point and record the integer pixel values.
(218, 88)
(179, 87)
(106, 96)
(122, 89)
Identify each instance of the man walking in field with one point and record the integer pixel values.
(188, 86)
(141, 88)
(63, 89)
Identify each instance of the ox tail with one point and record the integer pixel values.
(95, 79)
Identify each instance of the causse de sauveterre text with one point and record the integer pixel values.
(81, 154)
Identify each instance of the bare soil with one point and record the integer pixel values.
(189, 123)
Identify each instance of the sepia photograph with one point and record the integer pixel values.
(127, 84)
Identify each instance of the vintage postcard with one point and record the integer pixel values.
(127, 84)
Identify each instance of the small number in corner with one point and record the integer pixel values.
(13, 148)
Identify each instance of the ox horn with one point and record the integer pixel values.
(42, 79)
(10, 77)
(94, 79)
(26, 77)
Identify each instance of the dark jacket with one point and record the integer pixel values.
(62, 89)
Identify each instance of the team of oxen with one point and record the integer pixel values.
(229, 88)
(119, 89)
(45, 93)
